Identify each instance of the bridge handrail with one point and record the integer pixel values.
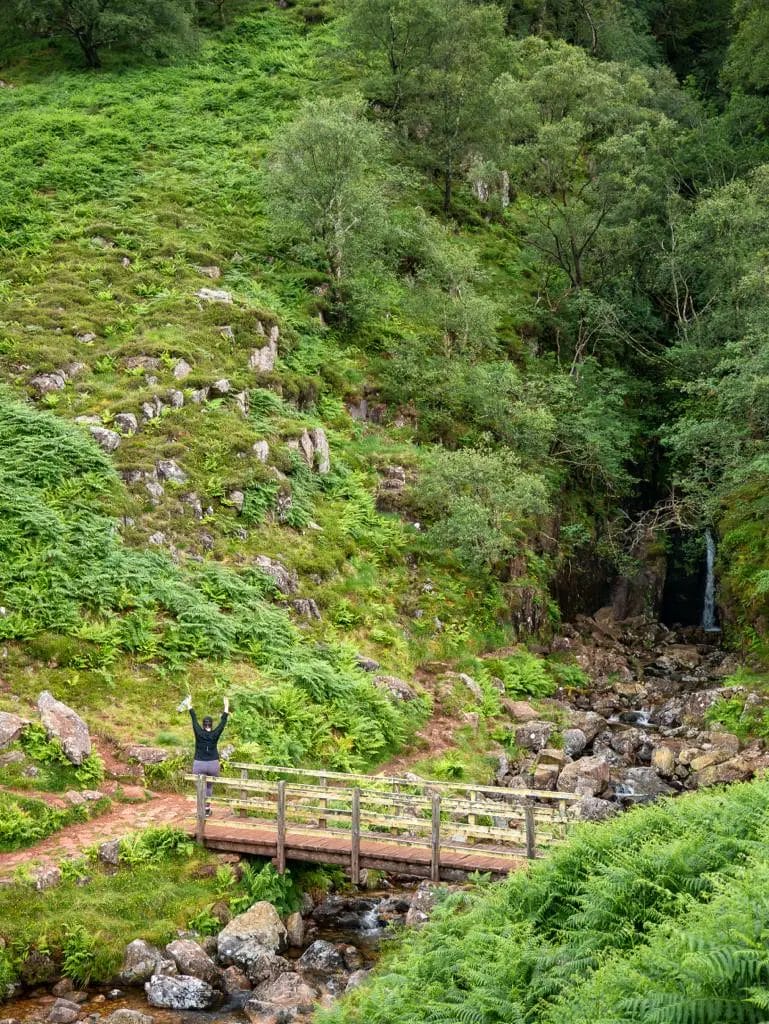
(393, 780)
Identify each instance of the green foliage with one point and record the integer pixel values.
(24, 822)
(79, 955)
(586, 936)
(265, 883)
(479, 504)
(59, 771)
(165, 25)
(525, 675)
(155, 845)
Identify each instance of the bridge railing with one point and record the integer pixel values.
(399, 811)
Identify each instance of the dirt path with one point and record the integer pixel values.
(159, 809)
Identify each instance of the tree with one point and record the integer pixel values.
(432, 64)
(96, 25)
(328, 189)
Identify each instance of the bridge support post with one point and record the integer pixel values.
(200, 793)
(281, 857)
(323, 781)
(531, 838)
(435, 860)
(355, 838)
(243, 792)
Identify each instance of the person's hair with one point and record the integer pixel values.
(208, 720)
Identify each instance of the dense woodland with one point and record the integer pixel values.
(514, 257)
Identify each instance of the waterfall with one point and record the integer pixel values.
(709, 607)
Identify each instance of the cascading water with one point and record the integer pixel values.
(709, 623)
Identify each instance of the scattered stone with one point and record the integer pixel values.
(194, 503)
(180, 993)
(109, 853)
(199, 396)
(107, 440)
(227, 332)
(128, 1016)
(214, 295)
(365, 663)
(645, 784)
(588, 776)
(43, 383)
(88, 338)
(214, 273)
(181, 369)
(397, 688)
(170, 471)
(141, 961)
(306, 608)
(176, 399)
(321, 452)
(11, 727)
(242, 402)
(520, 710)
(259, 963)
(73, 797)
(126, 423)
(147, 755)
(142, 363)
(158, 538)
(156, 492)
(62, 723)
(237, 499)
(63, 1011)
(259, 923)
(47, 877)
(63, 989)
(290, 991)
(262, 360)
(220, 388)
(261, 450)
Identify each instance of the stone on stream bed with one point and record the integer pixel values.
(141, 961)
(192, 959)
(257, 962)
(64, 1011)
(182, 992)
(129, 1016)
(321, 961)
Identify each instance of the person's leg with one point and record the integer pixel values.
(213, 771)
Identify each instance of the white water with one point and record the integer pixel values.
(709, 623)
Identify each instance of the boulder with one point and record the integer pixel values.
(168, 469)
(179, 993)
(220, 388)
(322, 454)
(147, 755)
(176, 398)
(128, 1016)
(262, 360)
(738, 769)
(260, 923)
(181, 370)
(591, 808)
(141, 961)
(587, 722)
(645, 784)
(109, 853)
(11, 727)
(421, 905)
(284, 579)
(696, 704)
(107, 440)
(663, 760)
(520, 710)
(356, 979)
(261, 450)
(43, 383)
(65, 725)
(710, 757)
(142, 363)
(574, 742)
(289, 991)
(63, 1011)
(365, 663)
(214, 295)
(214, 273)
(588, 776)
(258, 963)
(397, 688)
(192, 960)
(295, 930)
(306, 608)
(126, 423)
(321, 961)
(533, 735)
(235, 980)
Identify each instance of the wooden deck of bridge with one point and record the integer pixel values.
(433, 830)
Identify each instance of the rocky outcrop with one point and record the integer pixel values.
(66, 726)
(313, 448)
(285, 580)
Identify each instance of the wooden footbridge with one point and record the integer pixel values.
(435, 830)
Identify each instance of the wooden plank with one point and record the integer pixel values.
(531, 847)
(355, 839)
(200, 790)
(281, 830)
(435, 862)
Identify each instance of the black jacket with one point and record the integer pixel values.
(205, 742)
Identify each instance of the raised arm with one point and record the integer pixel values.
(217, 732)
(197, 728)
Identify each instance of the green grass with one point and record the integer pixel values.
(24, 822)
